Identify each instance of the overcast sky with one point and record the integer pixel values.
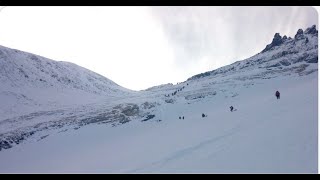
(140, 47)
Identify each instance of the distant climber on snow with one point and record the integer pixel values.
(231, 108)
(278, 95)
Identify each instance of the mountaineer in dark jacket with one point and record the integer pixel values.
(278, 95)
(231, 108)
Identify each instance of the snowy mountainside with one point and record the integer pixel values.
(281, 55)
(30, 82)
(142, 132)
(25, 69)
(264, 135)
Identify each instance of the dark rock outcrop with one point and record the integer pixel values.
(284, 38)
(311, 30)
(276, 41)
(299, 35)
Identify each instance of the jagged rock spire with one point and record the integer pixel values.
(276, 41)
(299, 34)
(311, 30)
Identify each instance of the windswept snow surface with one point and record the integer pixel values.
(264, 135)
(122, 131)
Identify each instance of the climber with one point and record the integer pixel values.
(278, 95)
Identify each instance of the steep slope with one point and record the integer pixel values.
(30, 82)
(282, 55)
(263, 134)
(281, 58)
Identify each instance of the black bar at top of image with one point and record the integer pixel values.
(160, 2)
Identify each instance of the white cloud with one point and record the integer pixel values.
(139, 47)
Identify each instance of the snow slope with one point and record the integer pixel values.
(142, 132)
(30, 82)
(264, 135)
